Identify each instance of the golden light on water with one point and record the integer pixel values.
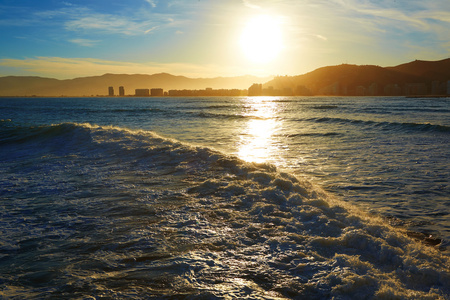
(257, 141)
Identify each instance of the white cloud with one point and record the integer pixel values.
(151, 29)
(108, 24)
(413, 13)
(84, 42)
(84, 20)
(151, 2)
(251, 5)
(321, 37)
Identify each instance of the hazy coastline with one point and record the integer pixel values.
(417, 78)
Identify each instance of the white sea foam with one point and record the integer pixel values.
(311, 243)
(123, 213)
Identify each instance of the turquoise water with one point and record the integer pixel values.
(264, 197)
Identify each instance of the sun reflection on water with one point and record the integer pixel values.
(258, 142)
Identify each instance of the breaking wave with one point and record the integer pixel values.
(116, 213)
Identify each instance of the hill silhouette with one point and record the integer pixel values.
(432, 70)
(98, 85)
(416, 77)
(413, 78)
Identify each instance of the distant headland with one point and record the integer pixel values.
(416, 78)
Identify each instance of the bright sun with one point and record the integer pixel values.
(261, 39)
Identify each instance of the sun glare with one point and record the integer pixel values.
(261, 39)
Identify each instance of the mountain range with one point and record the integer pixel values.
(98, 85)
(413, 78)
(416, 77)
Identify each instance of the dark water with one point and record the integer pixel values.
(217, 198)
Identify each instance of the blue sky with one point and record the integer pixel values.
(200, 38)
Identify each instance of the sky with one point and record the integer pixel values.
(212, 38)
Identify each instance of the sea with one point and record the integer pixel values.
(225, 198)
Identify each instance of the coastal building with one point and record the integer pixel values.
(448, 87)
(392, 90)
(270, 91)
(435, 88)
(335, 88)
(360, 90)
(302, 90)
(332, 89)
(111, 91)
(415, 89)
(157, 92)
(206, 92)
(255, 90)
(287, 91)
(373, 89)
(142, 92)
(121, 91)
(344, 90)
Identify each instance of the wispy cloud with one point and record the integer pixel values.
(112, 24)
(151, 29)
(412, 24)
(84, 42)
(366, 18)
(151, 2)
(414, 14)
(249, 4)
(87, 21)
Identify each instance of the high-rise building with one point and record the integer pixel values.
(121, 91)
(157, 92)
(435, 88)
(373, 89)
(414, 89)
(111, 91)
(142, 92)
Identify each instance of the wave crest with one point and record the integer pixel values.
(210, 222)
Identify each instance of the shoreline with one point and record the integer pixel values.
(222, 96)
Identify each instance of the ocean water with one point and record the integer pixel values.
(225, 198)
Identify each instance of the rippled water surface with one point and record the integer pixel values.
(263, 197)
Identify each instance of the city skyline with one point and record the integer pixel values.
(210, 39)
